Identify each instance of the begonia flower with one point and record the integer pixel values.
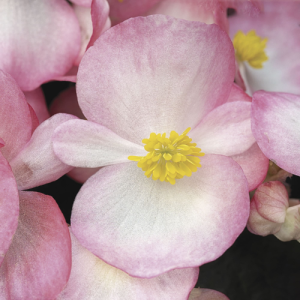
(157, 75)
(267, 47)
(39, 40)
(206, 294)
(38, 261)
(92, 279)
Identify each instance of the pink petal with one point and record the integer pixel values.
(9, 206)
(206, 294)
(148, 227)
(16, 123)
(254, 164)
(120, 11)
(280, 24)
(237, 94)
(276, 128)
(66, 102)
(226, 130)
(34, 119)
(134, 83)
(81, 143)
(38, 262)
(93, 279)
(38, 42)
(71, 75)
(37, 101)
(86, 3)
(37, 164)
(81, 175)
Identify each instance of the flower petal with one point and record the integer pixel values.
(134, 83)
(206, 294)
(93, 279)
(276, 128)
(81, 175)
(37, 164)
(37, 101)
(38, 262)
(237, 94)
(16, 123)
(226, 130)
(254, 164)
(9, 206)
(279, 23)
(81, 143)
(39, 40)
(148, 227)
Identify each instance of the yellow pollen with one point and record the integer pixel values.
(169, 158)
(251, 48)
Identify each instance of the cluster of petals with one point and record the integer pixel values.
(132, 83)
(35, 247)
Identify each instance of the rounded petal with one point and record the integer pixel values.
(226, 130)
(276, 128)
(81, 143)
(37, 164)
(9, 206)
(148, 227)
(16, 123)
(93, 279)
(134, 83)
(66, 102)
(40, 40)
(206, 294)
(37, 101)
(279, 23)
(38, 262)
(254, 164)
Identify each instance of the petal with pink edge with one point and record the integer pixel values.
(134, 83)
(37, 101)
(122, 10)
(226, 130)
(206, 294)
(81, 143)
(93, 279)
(9, 206)
(37, 164)
(148, 227)
(66, 102)
(279, 23)
(16, 123)
(39, 40)
(38, 262)
(254, 164)
(276, 128)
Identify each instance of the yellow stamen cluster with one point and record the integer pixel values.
(169, 158)
(251, 48)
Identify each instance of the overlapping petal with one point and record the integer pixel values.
(93, 279)
(148, 227)
(149, 87)
(276, 128)
(38, 262)
(16, 123)
(39, 40)
(37, 164)
(9, 206)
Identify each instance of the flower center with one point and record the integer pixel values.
(169, 158)
(251, 48)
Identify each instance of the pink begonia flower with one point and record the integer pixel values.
(271, 212)
(206, 294)
(279, 25)
(39, 40)
(38, 262)
(157, 74)
(93, 279)
(210, 12)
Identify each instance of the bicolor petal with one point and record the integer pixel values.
(81, 143)
(38, 262)
(148, 227)
(37, 164)
(146, 86)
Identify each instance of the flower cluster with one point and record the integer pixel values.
(180, 112)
